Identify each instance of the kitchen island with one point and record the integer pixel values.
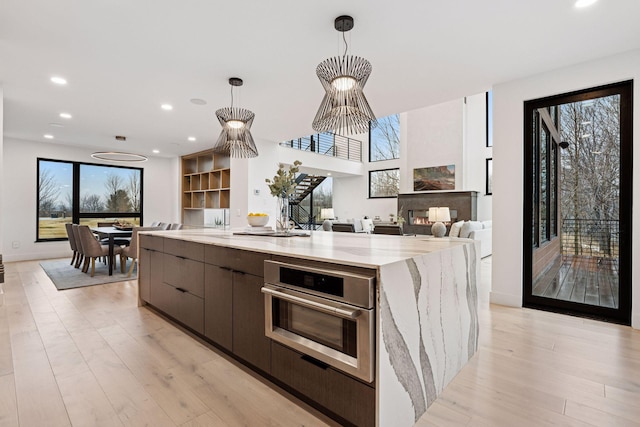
(425, 305)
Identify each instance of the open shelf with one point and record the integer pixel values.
(206, 182)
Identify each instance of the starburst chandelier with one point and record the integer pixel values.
(344, 109)
(235, 140)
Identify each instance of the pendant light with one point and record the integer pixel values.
(344, 109)
(235, 140)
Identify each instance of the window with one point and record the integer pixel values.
(489, 116)
(384, 139)
(384, 183)
(84, 193)
(489, 176)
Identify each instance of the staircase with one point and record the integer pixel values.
(299, 215)
(306, 184)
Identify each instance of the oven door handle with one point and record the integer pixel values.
(325, 308)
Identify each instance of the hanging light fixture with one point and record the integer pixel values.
(344, 109)
(235, 140)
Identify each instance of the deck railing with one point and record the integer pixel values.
(328, 144)
(591, 237)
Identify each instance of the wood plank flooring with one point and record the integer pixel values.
(91, 357)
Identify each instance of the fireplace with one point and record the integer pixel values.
(414, 207)
(421, 217)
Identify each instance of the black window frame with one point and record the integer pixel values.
(76, 215)
(371, 130)
(489, 176)
(383, 170)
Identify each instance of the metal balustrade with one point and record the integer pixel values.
(328, 144)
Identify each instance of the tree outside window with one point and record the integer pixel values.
(384, 139)
(384, 183)
(85, 193)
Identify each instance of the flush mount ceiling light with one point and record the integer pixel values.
(344, 109)
(59, 80)
(584, 3)
(235, 140)
(118, 156)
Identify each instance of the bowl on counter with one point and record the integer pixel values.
(257, 220)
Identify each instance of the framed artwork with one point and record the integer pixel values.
(434, 178)
(489, 176)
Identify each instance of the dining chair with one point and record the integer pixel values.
(155, 223)
(164, 225)
(76, 236)
(93, 249)
(72, 241)
(131, 251)
(175, 227)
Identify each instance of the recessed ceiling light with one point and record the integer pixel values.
(47, 136)
(584, 3)
(65, 115)
(156, 151)
(167, 107)
(328, 173)
(192, 138)
(56, 125)
(198, 101)
(59, 80)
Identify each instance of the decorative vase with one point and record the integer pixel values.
(282, 219)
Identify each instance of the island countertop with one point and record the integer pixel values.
(426, 318)
(355, 249)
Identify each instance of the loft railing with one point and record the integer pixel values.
(591, 237)
(328, 144)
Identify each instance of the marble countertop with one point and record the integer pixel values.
(356, 249)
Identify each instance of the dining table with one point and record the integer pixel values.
(111, 233)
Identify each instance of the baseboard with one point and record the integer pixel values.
(36, 256)
(635, 321)
(509, 300)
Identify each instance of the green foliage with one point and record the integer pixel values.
(284, 182)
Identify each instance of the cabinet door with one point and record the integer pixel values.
(249, 340)
(190, 310)
(184, 273)
(340, 393)
(165, 298)
(150, 268)
(218, 305)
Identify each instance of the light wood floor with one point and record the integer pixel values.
(90, 357)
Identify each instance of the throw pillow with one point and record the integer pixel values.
(455, 229)
(468, 227)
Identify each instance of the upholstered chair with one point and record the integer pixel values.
(164, 225)
(131, 251)
(93, 249)
(72, 241)
(76, 236)
(175, 227)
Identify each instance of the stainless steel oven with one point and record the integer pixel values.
(322, 313)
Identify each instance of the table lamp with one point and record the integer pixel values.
(438, 216)
(327, 213)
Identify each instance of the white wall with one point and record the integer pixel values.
(444, 134)
(475, 152)
(508, 99)
(19, 216)
(433, 138)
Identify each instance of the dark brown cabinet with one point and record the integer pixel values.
(173, 282)
(218, 303)
(249, 340)
(343, 395)
(149, 264)
(236, 281)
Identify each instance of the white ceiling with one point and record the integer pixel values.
(122, 59)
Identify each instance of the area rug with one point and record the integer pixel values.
(65, 276)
